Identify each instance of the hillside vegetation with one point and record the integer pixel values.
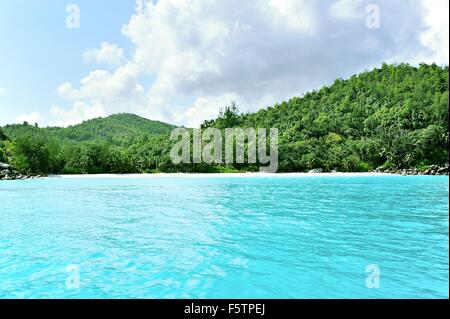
(393, 116)
(118, 129)
(102, 145)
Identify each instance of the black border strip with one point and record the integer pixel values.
(272, 308)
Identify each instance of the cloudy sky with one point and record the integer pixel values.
(179, 61)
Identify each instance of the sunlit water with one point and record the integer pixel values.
(225, 237)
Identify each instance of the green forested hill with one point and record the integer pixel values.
(119, 143)
(396, 115)
(118, 129)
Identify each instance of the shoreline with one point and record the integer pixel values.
(217, 175)
(398, 173)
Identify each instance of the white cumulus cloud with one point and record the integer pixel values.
(80, 112)
(201, 53)
(31, 118)
(99, 94)
(436, 36)
(108, 53)
(348, 9)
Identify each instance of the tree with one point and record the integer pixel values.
(396, 116)
(3, 136)
(3, 157)
(228, 116)
(30, 155)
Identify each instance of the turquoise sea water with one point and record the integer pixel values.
(224, 237)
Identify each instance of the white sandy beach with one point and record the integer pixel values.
(219, 175)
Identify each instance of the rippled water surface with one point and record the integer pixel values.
(224, 237)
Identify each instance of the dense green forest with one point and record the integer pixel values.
(121, 143)
(393, 116)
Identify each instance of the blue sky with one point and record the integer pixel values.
(181, 60)
(38, 52)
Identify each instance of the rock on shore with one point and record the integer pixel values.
(316, 171)
(434, 170)
(7, 173)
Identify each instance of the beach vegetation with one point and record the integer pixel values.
(394, 116)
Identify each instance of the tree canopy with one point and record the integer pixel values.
(395, 115)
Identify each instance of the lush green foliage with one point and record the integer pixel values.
(121, 143)
(118, 129)
(3, 138)
(391, 116)
(33, 154)
(395, 114)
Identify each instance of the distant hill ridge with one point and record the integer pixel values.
(393, 117)
(116, 129)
